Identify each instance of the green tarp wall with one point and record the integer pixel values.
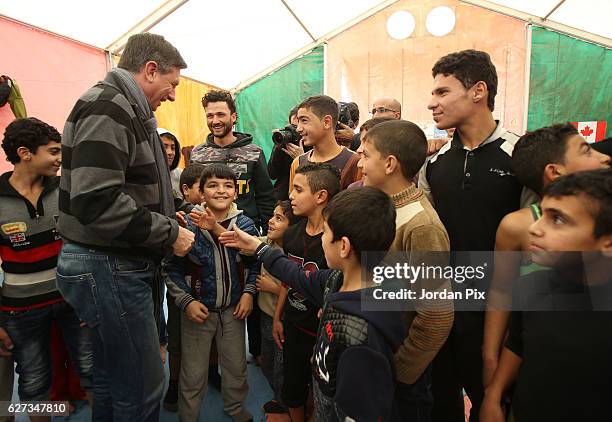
(265, 105)
(570, 80)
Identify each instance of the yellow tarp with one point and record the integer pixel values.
(185, 116)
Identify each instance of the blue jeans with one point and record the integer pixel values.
(31, 334)
(113, 295)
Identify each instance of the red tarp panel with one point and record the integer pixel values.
(51, 71)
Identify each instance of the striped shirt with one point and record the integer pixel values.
(110, 195)
(29, 246)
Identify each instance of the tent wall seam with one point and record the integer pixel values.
(599, 40)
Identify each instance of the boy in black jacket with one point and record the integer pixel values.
(353, 357)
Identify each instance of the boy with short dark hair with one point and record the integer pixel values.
(470, 183)
(29, 248)
(317, 119)
(314, 185)
(558, 336)
(189, 184)
(353, 363)
(214, 298)
(393, 153)
(539, 157)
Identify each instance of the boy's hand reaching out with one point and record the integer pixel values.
(197, 312)
(266, 284)
(205, 220)
(239, 240)
(244, 307)
(180, 217)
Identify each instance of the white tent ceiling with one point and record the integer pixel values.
(228, 42)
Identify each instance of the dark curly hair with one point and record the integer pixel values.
(29, 133)
(215, 96)
(469, 67)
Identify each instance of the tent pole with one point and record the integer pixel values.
(145, 24)
(298, 20)
(527, 76)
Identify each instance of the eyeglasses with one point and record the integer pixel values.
(381, 110)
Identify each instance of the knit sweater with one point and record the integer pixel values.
(110, 192)
(29, 246)
(419, 229)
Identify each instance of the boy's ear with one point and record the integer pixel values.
(606, 245)
(321, 196)
(327, 121)
(345, 247)
(391, 165)
(480, 91)
(24, 153)
(552, 171)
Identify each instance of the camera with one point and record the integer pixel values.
(344, 116)
(286, 135)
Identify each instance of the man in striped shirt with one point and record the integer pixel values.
(116, 216)
(29, 247)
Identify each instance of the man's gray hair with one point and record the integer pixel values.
(145, 47)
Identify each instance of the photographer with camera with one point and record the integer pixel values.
(287, 147)
(348, 120)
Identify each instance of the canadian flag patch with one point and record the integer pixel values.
(591, 131)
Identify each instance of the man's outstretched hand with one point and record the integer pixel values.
(239, 240)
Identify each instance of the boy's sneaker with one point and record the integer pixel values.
(243, 416)
(273, 407)
(171, 399)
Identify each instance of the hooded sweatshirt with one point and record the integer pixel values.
(212, 273)
(255, 191)
(29, 246)
(175, 171)
(354, 352)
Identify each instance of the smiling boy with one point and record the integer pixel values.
(317, 119)
(470, 184)
(29, 248)
(214, 299)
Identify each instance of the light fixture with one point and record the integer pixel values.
(400, 25)
(440, 21)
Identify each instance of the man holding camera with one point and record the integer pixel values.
(287, 146)
(317, 120)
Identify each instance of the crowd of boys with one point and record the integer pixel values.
(91, 252)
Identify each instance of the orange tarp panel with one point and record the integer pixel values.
(365, 63)
(51, 71)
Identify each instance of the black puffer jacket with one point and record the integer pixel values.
(353, 355)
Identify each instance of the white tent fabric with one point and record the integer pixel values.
(228, 42)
